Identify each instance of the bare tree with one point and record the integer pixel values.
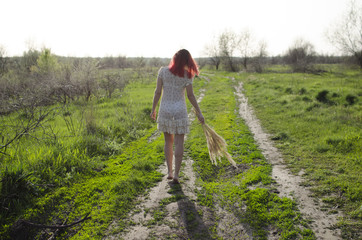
(65, 88)
(212, 51)
(227, 45)
(260, 58)
(300, 56)
(108, 62)
(111, 81)
(139, 64)
(155, 62)
(245, 46)
(121, 61)
(84, 76)
(3, 60)
(346, 35)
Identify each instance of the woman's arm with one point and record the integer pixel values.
(156, 98)
(193, 101)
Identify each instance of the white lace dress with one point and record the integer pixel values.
(172, 114)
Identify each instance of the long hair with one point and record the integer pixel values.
(183, 59)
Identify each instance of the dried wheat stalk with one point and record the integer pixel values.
(216, 145)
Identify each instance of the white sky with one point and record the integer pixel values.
(158, 28)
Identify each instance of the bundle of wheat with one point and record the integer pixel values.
(217, 145)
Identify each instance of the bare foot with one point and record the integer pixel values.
(175, 181)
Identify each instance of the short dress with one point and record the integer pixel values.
(172, 114)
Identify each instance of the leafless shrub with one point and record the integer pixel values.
(300, 56)
(23, 123)
(259, 61)
(212, 51)
(346, 34)
(228, 43)
(3, 60)
(112, 81)
(245, 46)
(85, 77)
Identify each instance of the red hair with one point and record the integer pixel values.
(183, 59)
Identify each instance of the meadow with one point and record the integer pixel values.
(92, 159)
(316, 121)
(251, 186)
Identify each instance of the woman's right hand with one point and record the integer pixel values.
(201, 118)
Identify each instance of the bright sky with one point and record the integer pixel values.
(158, 28)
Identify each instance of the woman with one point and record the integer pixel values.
(172, 115)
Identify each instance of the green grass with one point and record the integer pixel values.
(316, 121)
(107, 195)
(96, 160)
(95, 157)
(247, 192)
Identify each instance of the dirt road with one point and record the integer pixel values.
(171, 211)
(288, 185)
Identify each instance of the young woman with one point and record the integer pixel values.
(172, 114)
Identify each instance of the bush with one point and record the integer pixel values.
(351, 99)
(322, 96)
(289, 90)
(302, 91)
(306, 99)
(281, 136)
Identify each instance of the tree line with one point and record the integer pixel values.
(40, 78)
(38, 85)
(241, 51)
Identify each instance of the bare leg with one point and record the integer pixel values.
(179, 152)
(169, 152)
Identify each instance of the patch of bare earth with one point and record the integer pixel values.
(288, 185)
(170, 211)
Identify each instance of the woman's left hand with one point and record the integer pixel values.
(153, 115)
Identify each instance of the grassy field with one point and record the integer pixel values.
(316, 121)
(97, 160)
(93, 159)
(248, 188)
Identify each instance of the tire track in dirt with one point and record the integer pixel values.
(157, 218)
(288, 184)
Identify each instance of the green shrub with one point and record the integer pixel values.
(302, 91)
(306, 99)
(351, 99)
(322, 96)
(289, 90)
(281, 136)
